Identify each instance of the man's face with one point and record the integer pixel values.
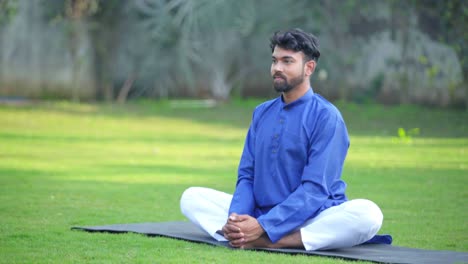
(287, 69)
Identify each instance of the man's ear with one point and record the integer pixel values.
(309, 67)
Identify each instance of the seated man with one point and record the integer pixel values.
(289, 191)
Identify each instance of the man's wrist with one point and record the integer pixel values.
(260, 228)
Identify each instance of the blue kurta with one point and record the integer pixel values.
(290, 169)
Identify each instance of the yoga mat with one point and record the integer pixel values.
(369, 252)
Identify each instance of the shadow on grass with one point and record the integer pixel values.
(174, 138)
(366, 120)
(415, 201)
(381, 120)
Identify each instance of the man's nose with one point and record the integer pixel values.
(276, 67)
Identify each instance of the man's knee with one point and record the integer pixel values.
(189, 198)
(368, 212)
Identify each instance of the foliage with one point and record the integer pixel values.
(448, 18)
(446, 21)
(73, 9)
(203, 37)
(65, 164)
(97, 18)
(406, 136)
(207, 46)
(8, 9)
(219, 48)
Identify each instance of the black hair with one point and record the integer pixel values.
(297, 40)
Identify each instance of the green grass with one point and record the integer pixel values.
(65, 164)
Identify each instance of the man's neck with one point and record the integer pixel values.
(296, 93)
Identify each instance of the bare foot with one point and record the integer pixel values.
(261, 242)
(292, 240)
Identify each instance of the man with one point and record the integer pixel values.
(289, 192)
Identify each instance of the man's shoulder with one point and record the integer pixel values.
(325, 118)
(267, 104)
(325, 108)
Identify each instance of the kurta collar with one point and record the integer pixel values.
(306, 97)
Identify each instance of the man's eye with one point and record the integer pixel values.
(288, 61)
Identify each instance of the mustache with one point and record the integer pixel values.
(279, 75)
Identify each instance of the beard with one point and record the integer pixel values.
(285, 85)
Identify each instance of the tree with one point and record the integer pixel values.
(8, 9)
(211, 47)
(204, 39)
(97, 19)
(104, 31)
(446, 21)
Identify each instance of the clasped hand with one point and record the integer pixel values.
(241, 229)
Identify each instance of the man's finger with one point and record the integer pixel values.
(237, 243)
(248, 239)
(243, 217)
(235, 236)
(233, 217)
(228, 228)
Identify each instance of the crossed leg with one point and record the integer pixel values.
(349, 224)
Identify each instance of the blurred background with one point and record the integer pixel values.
(391, 52)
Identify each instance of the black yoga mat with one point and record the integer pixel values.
(369, 252)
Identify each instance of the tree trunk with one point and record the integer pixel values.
(74, 43)
(464, 82)
(123, 94)
(102, 65)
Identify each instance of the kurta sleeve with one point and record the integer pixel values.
(327, 150)
(243, 200)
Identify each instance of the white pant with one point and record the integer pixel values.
(346, 225)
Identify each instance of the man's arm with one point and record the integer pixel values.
(328, 148)
(243, 200)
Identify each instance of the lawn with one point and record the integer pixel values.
(64, 164)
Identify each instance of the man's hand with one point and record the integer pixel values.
(230, 230)
(242, 229)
